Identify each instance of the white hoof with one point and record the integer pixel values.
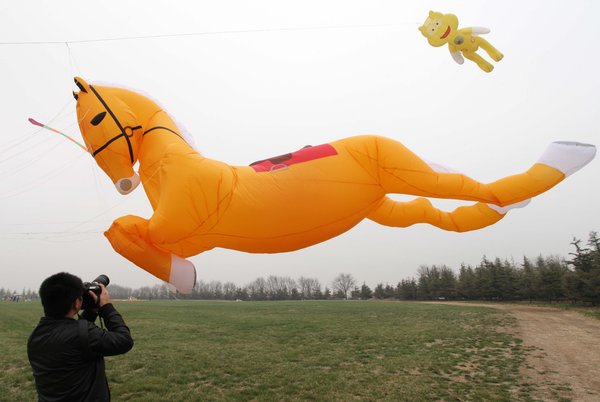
(504, 210)
(568, 157)
(183, 274)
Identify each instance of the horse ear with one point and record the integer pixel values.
(75, 95)
(81, 84)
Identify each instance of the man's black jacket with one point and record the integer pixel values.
(67, 355)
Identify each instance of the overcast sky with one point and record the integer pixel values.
(295, 73)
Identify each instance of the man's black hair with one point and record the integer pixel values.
(58, 293)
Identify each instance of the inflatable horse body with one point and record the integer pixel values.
(284, 203)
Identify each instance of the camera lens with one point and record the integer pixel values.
(103, 279)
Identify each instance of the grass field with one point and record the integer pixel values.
(303, 350)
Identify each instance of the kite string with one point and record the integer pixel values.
(206, 33)
(42, 178)
(107, 209)
(72, 62)
(12, 144)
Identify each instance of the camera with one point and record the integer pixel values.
(94, 286)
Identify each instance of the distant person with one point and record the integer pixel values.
(66, 353)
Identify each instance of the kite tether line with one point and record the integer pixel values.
(175, 35)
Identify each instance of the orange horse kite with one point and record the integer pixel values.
(279, 204)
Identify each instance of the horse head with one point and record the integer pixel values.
(111, 131)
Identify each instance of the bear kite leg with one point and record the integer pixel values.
(481, 62)
(494, 53)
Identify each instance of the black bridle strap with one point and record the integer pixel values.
(108, 143)
(162, 128)
(123, 134)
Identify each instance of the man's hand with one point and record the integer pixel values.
(104, 296)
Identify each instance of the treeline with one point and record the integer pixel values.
(13, 295)
(547, 279)
(270, 288)
(576, 279)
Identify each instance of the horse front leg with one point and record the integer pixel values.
(129, 236)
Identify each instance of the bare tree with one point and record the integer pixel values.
(343, 283)
(216, 289)
(229, 290)
(280, 287)
(257, 290)
(308, 287)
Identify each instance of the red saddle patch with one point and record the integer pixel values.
(308, 153)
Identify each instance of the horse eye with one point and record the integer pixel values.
(99, 117)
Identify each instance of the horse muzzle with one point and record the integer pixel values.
(128, 184)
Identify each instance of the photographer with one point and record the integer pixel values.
(67, 354)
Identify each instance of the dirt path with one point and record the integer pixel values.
(566, 351)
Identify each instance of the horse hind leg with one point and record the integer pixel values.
(128, 235)
(402, 172)
(560, 160)
(420, 210)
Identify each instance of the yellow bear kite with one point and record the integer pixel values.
(440, 29)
